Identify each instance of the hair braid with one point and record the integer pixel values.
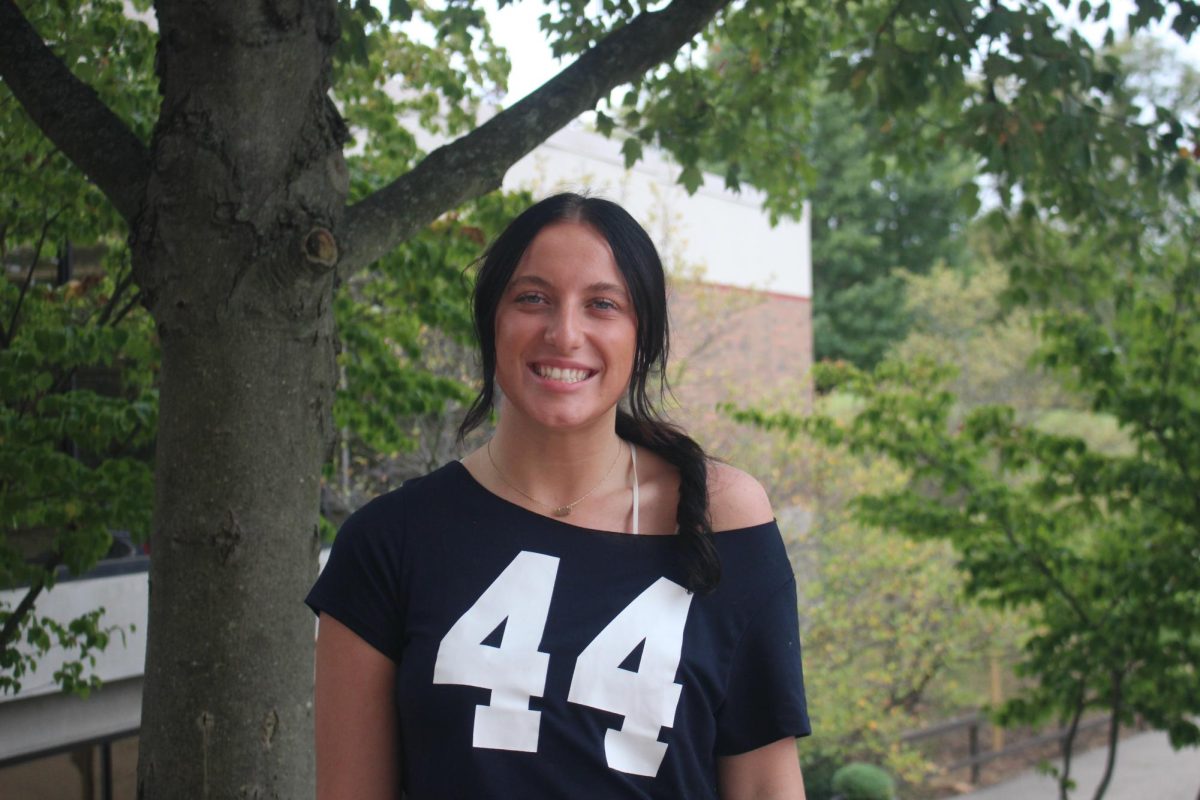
(695, 525)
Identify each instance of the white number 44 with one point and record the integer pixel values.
(516, 670)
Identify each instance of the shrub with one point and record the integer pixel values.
(860, 781)
(818, 776)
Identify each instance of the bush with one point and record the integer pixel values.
(863, 782)
(818, 776)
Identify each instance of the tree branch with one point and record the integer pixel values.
(71, 114)
(12, 625)
(476, 163)
(1055, 581)
(6, 335)
(1027, 551)
(129, 306)
(122, 285)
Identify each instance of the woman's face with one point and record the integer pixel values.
(566, 331)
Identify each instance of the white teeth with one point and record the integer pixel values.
(563, 375)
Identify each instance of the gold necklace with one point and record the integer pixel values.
(558, 511)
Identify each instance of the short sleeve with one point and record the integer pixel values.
(360, 585)
(764, 698)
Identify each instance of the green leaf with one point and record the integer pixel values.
(691, 178)
(400, 10)
(632, 150)
(604, 124)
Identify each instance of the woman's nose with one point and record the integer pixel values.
(565, 330)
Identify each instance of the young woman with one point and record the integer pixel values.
(554, 616)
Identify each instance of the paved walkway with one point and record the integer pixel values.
(1146, 769)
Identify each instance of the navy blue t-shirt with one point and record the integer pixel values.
(538, 659)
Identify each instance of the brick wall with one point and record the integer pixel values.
(739, 346)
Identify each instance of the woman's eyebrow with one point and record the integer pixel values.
(603, 286)
(533, 279)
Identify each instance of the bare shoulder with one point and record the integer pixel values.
(736, 499)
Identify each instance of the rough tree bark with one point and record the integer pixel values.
(234, 251)
(238, 224)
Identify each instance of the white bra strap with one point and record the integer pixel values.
(633, 458)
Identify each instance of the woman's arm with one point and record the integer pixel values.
(771, 772)
(356, 733)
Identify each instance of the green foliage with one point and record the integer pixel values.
(1125, 331)
(1098, 548)
(1041, 524)
(959, 317)
(729, 109)
(883, 113)
(1093, 540)
(444, 82)
(1029, 99)
(76, 426)
(77, 403)
(883, 149)
(115, 56)
(83, 637)
(861, 781)
(1046, 113)
(869, 228)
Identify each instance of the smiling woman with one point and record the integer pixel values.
(473, 643)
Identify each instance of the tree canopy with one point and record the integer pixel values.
(1095, 544)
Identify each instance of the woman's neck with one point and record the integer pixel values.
(554, 465)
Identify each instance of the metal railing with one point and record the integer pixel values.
(977, 757)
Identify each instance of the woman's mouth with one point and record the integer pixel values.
(562, 374)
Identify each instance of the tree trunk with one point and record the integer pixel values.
(1114, 733)
(1068, 742)
(234, 252)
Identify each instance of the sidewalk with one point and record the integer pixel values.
(1146, 769)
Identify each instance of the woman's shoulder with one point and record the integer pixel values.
(445, 483)
(735, 499)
